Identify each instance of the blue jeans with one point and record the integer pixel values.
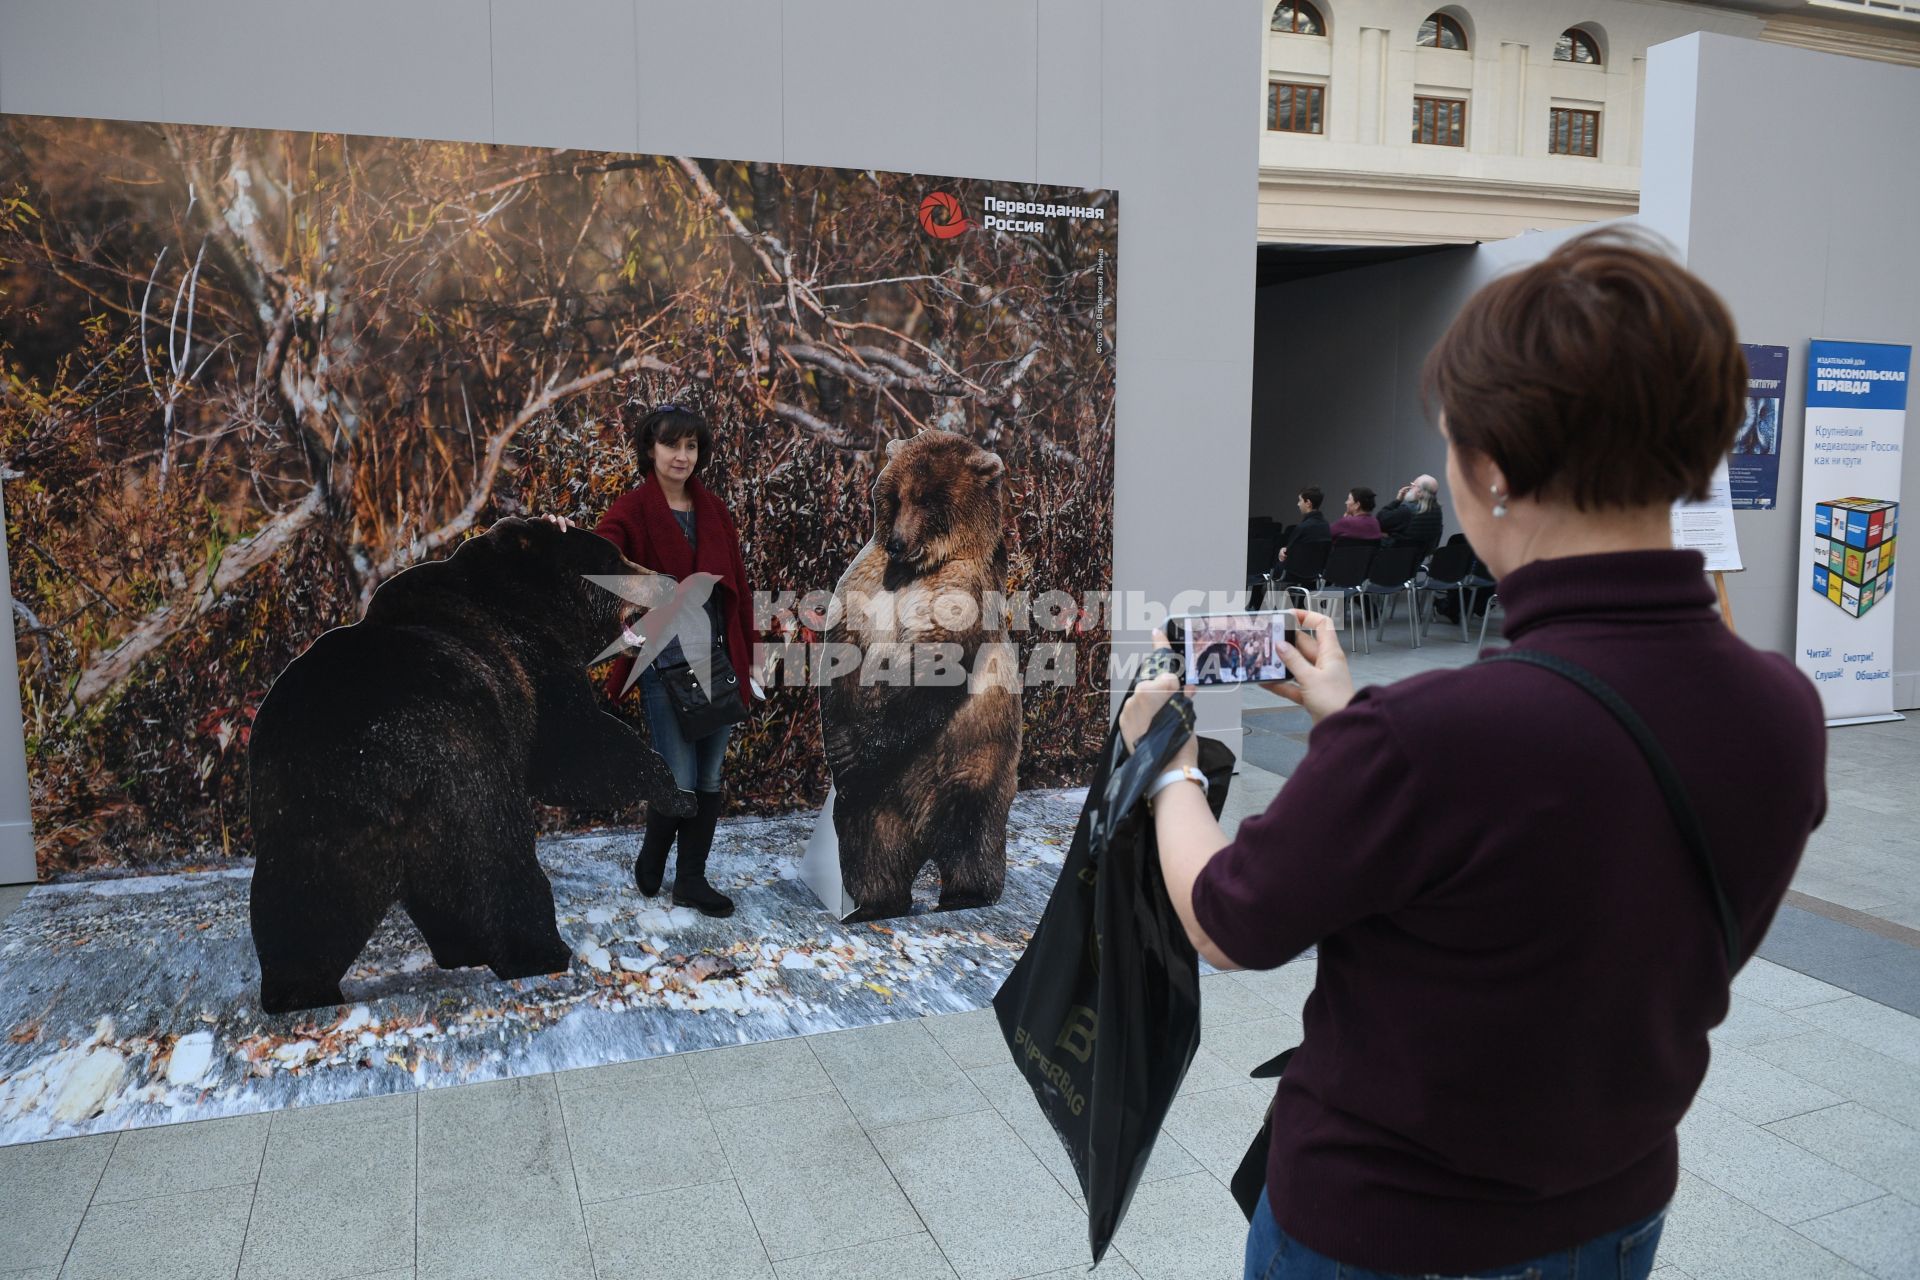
(695, 765)
(1626, 1254)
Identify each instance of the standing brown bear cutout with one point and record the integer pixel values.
(924, 739)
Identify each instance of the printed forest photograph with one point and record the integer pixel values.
(247, 377)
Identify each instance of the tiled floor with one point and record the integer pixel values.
(912, 1150)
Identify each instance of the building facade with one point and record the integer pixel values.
(1396, 121)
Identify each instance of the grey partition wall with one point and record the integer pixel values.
(1804, 222)
(1157, 101)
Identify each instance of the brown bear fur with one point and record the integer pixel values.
(925, 772)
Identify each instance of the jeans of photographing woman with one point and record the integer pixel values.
(1626, 1254)
(695, 764)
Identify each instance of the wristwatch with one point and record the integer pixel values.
(1185, 773)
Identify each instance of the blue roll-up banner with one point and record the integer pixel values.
(1850, 523)
(1753, 470)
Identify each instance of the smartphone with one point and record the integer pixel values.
(1231, 648)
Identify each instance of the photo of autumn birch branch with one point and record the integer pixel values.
(246, 376)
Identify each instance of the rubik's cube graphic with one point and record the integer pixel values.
(1853, 551)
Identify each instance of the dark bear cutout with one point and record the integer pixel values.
(925, 771)
(398, 758)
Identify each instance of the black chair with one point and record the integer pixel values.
(1391, 573)
(1448, 571)
(1263, 551)
(1348, 564)
(1304, 564)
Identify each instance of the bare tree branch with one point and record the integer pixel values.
(162, 623)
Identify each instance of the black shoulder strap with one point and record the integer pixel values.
(1671, 787)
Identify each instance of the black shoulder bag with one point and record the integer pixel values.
(1251, 1177)
(703, 711)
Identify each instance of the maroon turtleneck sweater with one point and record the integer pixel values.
(1519, 961)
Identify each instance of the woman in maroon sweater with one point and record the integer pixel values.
(1519, 960)
(673, 524)
(1358, 524)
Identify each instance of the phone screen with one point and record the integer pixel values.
(1232, 648)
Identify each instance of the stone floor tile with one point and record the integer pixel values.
(1112, 1267)
(810, 1176)
(195, 1236)
(688, 1233)
(386, 1107)
(1242, 1046)
(503, 1228)
(995, 1211)
(749, 1074)
(1870, 1025)
(1810, 944)
(335, 1197)
(1779, 987)
(497, 1197)
(176, 1158)
(1759, 1092)
(970, 1039)
(1786, 1182)
(1215, 1127)
(1285, 988)
(647, 1134)
(1710, 1235)
(1224, 1000)
(1891, 979)
(1207, 1071)
(1749, 1022)
(1882, 1237)
(48, 1187)
(1011, 1096)
(914, 1257)
(1850, 1070)
(502, 1129)
(895, 1073)
(1863, 1142)
(671, 1067)
(1184, 1229)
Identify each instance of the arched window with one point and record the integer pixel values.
(1441, 32)
(1575, 45)
(1299, 19)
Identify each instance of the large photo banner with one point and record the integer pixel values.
(337, 747)
(1850, 521)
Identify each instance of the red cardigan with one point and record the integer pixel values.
(642, 525)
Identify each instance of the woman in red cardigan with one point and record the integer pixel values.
(673, 524)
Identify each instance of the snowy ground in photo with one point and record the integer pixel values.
(135, 1001)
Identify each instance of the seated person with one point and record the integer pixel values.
(1358, 524)
(1413, 518)
(1312, 526)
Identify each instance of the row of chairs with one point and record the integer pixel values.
(1370, 580)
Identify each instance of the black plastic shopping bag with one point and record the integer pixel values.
(1102, 1012)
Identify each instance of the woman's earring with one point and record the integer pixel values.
(1499, 501)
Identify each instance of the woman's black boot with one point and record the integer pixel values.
(650, 868)
(690, 887)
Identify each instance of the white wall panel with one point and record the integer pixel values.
(563, 74)
(709, 78)
(418, 70)
(922, 88)
(95, 58)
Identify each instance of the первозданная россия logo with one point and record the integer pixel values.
(941, 215)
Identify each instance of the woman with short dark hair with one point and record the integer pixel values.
(673, 524)
(1358, 524)
(1513, 994)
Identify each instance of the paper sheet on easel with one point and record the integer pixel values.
(1707, 526)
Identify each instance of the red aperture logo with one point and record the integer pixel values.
(941, 216)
